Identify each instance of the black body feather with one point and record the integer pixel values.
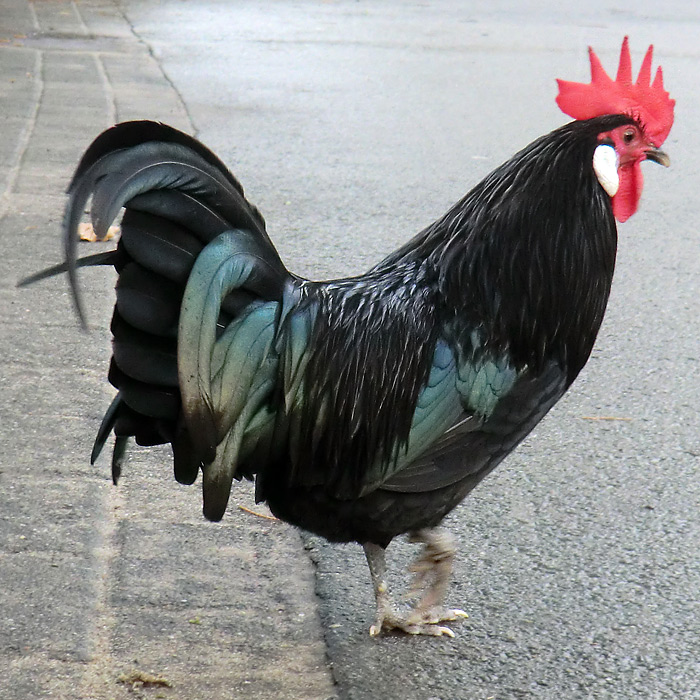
(363, 407)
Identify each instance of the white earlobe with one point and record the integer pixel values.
(605, 164)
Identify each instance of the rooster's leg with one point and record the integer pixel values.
(432, 571)
(387, 618)
(377, 570)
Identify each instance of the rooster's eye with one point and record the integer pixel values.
(628, 136)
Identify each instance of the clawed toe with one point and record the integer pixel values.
(416, 621)
(429, 630)
(436, 615)
(410, 624)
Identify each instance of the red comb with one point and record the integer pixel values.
(647, 102)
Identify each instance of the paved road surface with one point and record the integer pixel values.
(351, 125)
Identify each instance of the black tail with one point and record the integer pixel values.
(178, 196)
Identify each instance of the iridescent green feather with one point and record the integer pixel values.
(483, 383)
(224, 382)
(453, 395)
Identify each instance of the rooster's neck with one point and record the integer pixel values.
(528, 255)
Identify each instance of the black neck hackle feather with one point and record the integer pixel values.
(528, 255)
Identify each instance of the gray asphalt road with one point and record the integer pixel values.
(354, 124)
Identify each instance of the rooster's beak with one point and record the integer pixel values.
(658, 156)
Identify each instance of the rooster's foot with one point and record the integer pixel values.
(398, 623)
(417, 622)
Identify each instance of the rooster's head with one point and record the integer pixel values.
(617, 158)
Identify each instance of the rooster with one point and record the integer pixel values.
(367, 407)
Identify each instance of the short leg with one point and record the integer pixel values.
(377, 570)
(432, 571)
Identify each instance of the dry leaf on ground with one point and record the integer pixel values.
(87, 233)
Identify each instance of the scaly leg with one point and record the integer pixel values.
(432, 571)
(425, 616)
(377, 570)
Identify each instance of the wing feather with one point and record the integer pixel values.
(476, 444)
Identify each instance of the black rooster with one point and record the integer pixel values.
(370, 406)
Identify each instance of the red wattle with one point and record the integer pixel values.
(626, 200)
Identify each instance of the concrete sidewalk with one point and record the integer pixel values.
(102, 589)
